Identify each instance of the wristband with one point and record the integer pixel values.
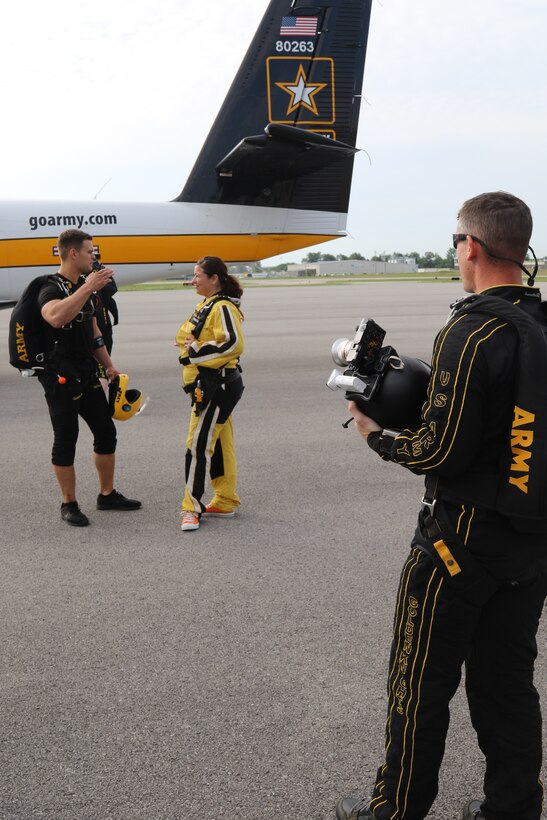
(381, 441)
(98, 342)
(385, 443)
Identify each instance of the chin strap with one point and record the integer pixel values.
(531, 276)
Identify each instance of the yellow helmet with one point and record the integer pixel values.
(124, 403)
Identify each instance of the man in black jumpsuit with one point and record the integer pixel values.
(73, 347)
(473, 587)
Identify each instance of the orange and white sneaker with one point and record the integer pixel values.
(190, 521)
(214, 512)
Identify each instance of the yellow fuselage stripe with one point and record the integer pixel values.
(150, 250)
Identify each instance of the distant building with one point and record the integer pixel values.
(349, 267)
(407, 260)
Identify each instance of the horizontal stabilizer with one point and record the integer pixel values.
(283, 152)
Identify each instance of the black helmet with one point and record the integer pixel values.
(399, 395)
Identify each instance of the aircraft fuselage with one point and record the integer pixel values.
(155, 240)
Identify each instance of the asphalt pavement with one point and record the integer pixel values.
(237, 671)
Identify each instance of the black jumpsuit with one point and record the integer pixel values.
(69, 354)
(471, 592)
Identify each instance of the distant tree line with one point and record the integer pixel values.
(427, 260)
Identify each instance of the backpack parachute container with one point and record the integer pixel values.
(26, 328)
(519, 492)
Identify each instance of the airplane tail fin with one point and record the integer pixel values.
(286, 133)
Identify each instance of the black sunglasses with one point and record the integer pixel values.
(459, 237)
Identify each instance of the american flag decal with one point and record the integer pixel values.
(298, 27)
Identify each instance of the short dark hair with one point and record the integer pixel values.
(73, 238)
(212, 265)
(501, 220)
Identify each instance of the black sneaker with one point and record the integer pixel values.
(348, 808)
(472, 810)
(72, 514)
(117, 501)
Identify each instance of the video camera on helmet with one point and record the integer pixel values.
(388, 388)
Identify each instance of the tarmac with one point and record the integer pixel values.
(234, 672)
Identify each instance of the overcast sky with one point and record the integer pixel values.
(124, 92)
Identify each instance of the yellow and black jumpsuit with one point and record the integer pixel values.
(212, 376)
(473, 588)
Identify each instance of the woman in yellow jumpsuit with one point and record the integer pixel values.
(211, 343)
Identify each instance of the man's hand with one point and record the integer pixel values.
(59, 312)
(188, 341)
(97, 279)
(111, 372)
(364, 424)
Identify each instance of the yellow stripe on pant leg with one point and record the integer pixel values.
(418, 696)
(194, 432)
(224, 486)
(412, 561)
(408, 694)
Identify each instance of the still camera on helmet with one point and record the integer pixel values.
(389, 388)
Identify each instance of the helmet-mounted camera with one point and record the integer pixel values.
(389, 388)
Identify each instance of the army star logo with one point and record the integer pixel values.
(302, 93)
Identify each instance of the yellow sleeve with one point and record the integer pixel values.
(221, 340)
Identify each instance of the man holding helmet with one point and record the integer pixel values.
(473, 587)
(73, 346)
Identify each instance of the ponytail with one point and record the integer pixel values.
(212, 265)
(231, 286)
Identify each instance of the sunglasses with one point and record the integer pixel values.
(459, 237)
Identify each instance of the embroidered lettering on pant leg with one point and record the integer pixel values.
(426, 626)
(415, 559)
(408, 642)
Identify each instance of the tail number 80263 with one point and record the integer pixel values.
(298, 46)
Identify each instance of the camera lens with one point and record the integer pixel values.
(340, 350)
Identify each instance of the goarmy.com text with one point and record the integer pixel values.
(71, 221)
